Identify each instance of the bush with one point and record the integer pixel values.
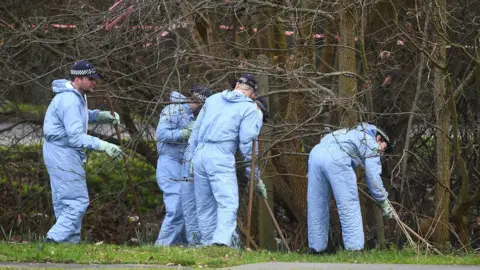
(27, 210)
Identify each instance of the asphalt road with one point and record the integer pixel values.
(15, 133)
(344, 266)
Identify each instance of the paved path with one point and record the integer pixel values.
(86, 266)
(263, 266)
(13, 133)
(346, 266)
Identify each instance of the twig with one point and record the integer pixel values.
(276, 224)
(129, 175)
(250, 193)
(406, 229)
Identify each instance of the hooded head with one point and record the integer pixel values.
(384, 138)
(199, 93)
(249, 80)
(379, 135)
(248, 84)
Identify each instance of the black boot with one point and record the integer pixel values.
(312, 251)
(45, 241)
(356, 252)
(219, 245)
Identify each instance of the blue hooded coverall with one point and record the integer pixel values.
(228, 120)
(171, 148)
(65, 136)
(189, 204)
(331, 168)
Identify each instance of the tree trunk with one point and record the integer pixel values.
(265, 224)
(442, 116)
(464, 202)
(367, 203)
(347, 85)
(346, 116)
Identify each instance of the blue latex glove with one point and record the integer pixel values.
(106, 117)
(111, 149)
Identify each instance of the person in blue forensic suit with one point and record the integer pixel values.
(65, 136)
(228, 121)
(173, 131)
(188, 187)
(331, 167)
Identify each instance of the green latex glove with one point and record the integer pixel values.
(106, 117)
(387, 209)
(185, 134)
(187, 131)
(260, 189)
(190, 126)
(111, 149)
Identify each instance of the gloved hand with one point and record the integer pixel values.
(185, 134)
(106, 117)
(387, 209)
(191, 124)
(260, 189)
(187, 131)
(111, 149)
(191, 168)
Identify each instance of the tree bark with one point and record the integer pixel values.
(442, 116)
(347, 86)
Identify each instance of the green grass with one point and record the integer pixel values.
(211, 257)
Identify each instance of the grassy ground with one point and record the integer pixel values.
(210, 257)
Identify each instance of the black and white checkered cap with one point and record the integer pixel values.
(84, 68)
(383, 135)
(386, 139)
(200, 92)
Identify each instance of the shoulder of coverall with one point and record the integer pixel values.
(367, 128)
(215, 96)
(177, 96)
(176, 108)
